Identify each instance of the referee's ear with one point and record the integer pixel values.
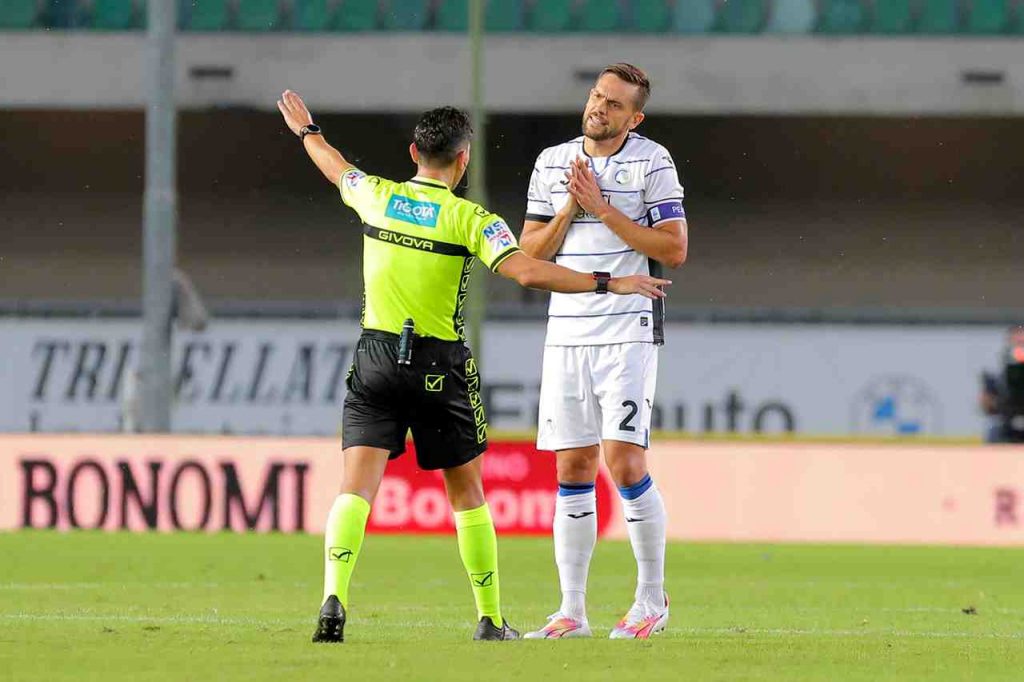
(414, 153)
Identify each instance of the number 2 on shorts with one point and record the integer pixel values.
(624, 425)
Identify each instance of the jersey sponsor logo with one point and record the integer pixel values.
(498, 235)
(587, 215)
(406, 240)
(422, 213)
(667, 210)
(353, 177)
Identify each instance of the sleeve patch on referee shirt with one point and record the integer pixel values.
(498, 235)
(353, 177)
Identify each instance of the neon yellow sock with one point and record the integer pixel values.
(478, 547)
(343, 537)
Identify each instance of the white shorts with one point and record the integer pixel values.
(593, 393)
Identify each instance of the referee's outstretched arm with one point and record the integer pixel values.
(328, 159)
(539, 274)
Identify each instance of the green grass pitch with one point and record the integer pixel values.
(93, 606)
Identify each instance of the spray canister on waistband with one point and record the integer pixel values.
(405, 342)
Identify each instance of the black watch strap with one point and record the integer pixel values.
(311, 129)
(602, 279)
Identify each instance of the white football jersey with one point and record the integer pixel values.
(641, 181)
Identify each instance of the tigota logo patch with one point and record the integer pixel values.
(422, 213)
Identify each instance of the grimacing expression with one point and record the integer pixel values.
(611, 108)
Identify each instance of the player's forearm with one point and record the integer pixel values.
(544, 242)
(668, 247)
(328, 159)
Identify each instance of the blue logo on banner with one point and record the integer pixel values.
(422, 213)
(900, 405)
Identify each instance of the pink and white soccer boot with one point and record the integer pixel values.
(642, 621)
(560, 626)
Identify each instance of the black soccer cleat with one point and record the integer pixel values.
(486, 630)
(330, 627)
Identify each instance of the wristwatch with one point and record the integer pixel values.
(602, 279)
(311, 129)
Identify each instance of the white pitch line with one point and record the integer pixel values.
(733, 631)
(186, 620)
(899, 634)
(160, 586)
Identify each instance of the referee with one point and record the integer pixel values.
(412, 369)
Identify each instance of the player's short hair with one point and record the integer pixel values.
(634, 75)
(441, 134)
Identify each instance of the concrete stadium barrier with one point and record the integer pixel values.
(714, 491)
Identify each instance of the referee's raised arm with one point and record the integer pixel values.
(328, 159)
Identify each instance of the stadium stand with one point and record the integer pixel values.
(693, 16)
(405, 15)
(207, 15)
(987, 16)
(598, 16)
(18, 14)
(550, 17)
(939, 17)
(792, 16)
(311, 15)
(648, 16)
(504, 16)
(259, 15)
(109, 15)
(741, 16)
(686, 17)
(843, 16)
(452, 15)
(62, 14)
(892, 16)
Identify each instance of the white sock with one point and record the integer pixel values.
(642, 502)
(575, 532)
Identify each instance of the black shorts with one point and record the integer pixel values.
(437, 397)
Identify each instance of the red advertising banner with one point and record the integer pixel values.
(520, 487)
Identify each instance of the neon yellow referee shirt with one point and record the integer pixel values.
(420, 243)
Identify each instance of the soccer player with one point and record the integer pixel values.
(609, 201)
(420, 243)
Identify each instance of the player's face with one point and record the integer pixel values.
(611, 109)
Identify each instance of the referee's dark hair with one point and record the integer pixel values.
(441, 134)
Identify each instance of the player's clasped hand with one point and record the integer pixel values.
(584, 189)
(638, 284)
(294, 110)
